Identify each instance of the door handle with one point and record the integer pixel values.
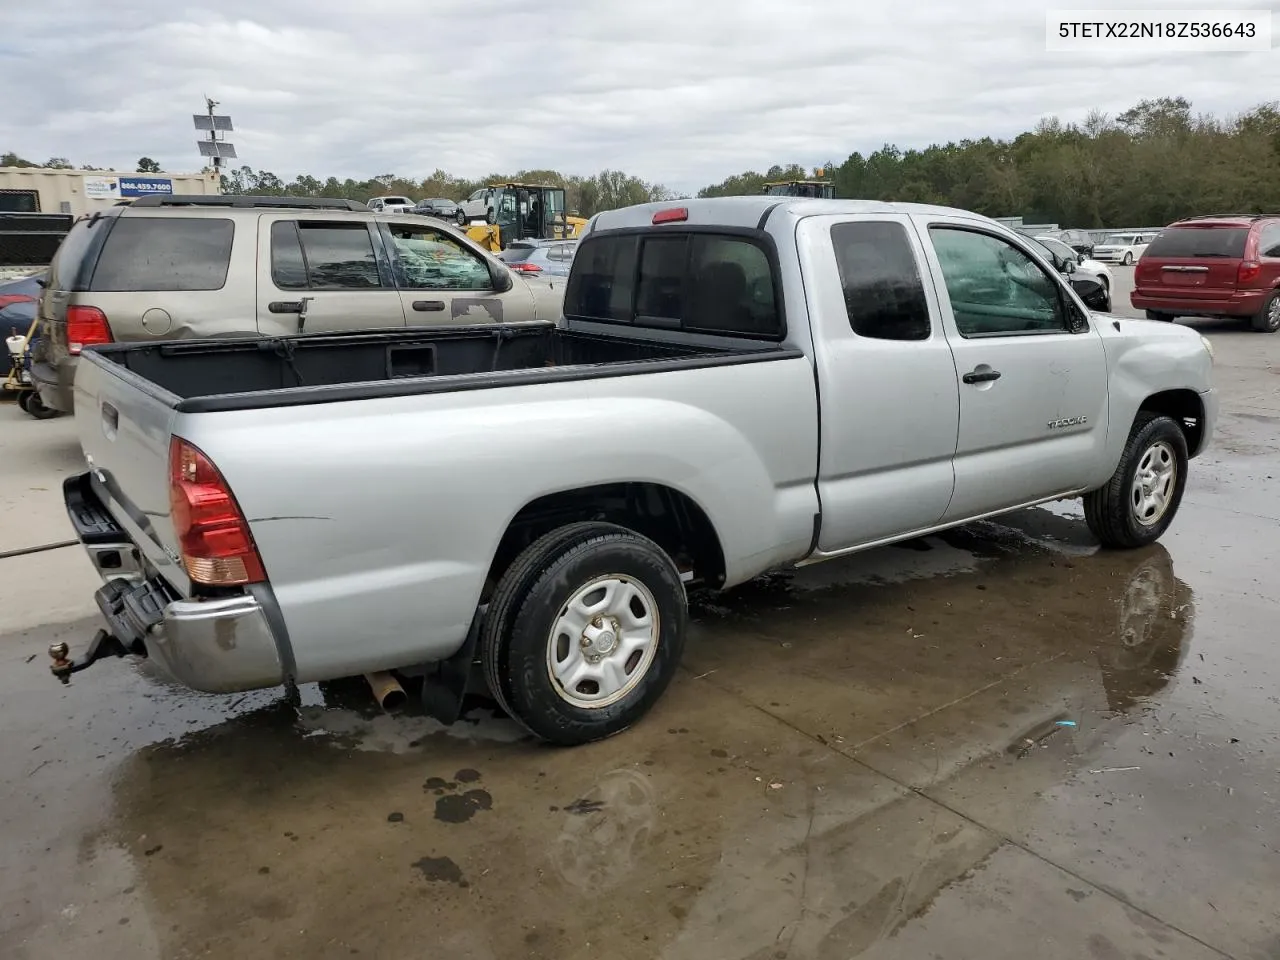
(428, 306)
(983, 376)
(285, 306)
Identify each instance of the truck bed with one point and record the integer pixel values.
(198, 376)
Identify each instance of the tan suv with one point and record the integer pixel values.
(182, 267)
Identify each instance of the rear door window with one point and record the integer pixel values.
(1269, 241)
(165, 253)
(883, 292)
(1199, 242)
(338, 256)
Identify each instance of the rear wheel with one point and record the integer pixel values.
(36, 407)
(1268, 318)
(24, 399)
(1162, 317)
(462, 218)
(1128, 259)
(584, 632)
(1138, 503)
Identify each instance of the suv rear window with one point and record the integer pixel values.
(1199, 242)
(517, 252)
(700, 282)
(164, 253)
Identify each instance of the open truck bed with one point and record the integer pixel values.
(202, 376)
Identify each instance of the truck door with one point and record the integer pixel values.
(335, 270)
(886, 379)
(1032, 371)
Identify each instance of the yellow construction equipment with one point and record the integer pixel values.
(820, 189)
(521, 211)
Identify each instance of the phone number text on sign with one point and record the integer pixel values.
(1155, 30)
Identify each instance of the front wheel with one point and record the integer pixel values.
(1268, 318)
(24, 399)
(1138, 503)
(462, 218)
(1128, 260)
(584, 632)
(1162, 317)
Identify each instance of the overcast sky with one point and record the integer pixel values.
(683, 92)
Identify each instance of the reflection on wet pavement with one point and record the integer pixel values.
(1000, 742)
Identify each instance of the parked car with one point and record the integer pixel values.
(1081, 241)
(440, 207)
(1080, 271)
(167, 268)
(18, 300)
(391, 204)
(478, 206)
(680, 426)
(1215, 266)
(1122, 247)
(548, 257)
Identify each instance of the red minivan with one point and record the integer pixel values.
(1225, 266)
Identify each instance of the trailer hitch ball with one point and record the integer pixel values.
(61, 665)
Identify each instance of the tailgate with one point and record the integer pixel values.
(1184, 277)
(123, 423)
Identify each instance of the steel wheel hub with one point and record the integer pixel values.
(1153, 483)
(603, 641)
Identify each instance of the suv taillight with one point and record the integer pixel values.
(526, 267)
(85, 327)
(213, 537)
(1248, 271)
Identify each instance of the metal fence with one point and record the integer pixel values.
(31, 239)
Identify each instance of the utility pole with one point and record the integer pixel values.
(213, 123)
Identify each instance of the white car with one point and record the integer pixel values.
(1123, 247)
(1087, 267)
(391, 205)
(478, 206)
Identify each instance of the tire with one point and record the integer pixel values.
(1128, 259)
(1268, 318)
(36, 407)
(1110, 511)
(532, 601)
(462, 218)
(24, 399)
(1106, 289)
(1162, 317)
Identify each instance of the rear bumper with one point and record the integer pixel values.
(1245, 303)
(56, 384)
(218, 646)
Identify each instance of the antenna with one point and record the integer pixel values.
(213, 124)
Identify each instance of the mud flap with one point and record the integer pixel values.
(446, 687)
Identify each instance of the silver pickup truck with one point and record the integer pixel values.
(737, 384)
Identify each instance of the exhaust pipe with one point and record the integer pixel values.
(387, 690)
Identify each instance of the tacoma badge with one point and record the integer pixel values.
(1068, 422)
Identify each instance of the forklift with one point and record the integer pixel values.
(817, 189)
(524, 211)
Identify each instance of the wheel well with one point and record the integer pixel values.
(1185, 408)
(666, 516)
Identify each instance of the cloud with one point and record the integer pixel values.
(683, 93)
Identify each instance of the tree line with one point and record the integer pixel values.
(1147, 166)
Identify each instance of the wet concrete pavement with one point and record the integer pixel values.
(997, 743)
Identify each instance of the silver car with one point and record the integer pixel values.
(545, 257)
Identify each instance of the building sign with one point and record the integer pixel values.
(115, 188)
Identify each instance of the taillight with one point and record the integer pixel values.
(526, 268)
(1248, 271)
(7, 299)
(85, 327)
(671, 215)
(213, 537)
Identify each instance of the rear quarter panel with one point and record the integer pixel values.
(377, 519)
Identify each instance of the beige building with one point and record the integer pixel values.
(78, 192)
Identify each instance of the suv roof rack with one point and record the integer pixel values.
(236, 200)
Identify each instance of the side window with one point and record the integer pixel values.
(1269, 241)
(883, 293)
(995, 288)
(339, 256)
(429, 260)
(165, 253)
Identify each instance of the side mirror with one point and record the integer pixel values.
(501, 276)
(1069, 266)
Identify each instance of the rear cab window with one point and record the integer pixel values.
(1194, 242)
(883, 291)
(164, 254)
(703, 281)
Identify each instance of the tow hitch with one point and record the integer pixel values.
(102, 645)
